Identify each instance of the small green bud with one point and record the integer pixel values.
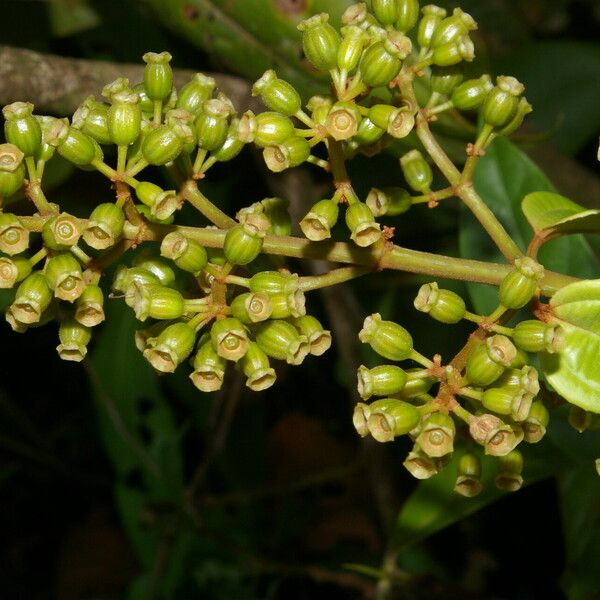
(21, 128)
(489, 360)
(105, 226)
(351, 48)
(537, 336)
(497, 437)
(14, 238)
(163, 272)
(398, 122)
(265, 129)
(194, 93)
(172, 346)
(62, 231)
(471, 94)
(523, 109)
(255, 366)
(453, 53)
(408, 15)
(319, 107)
(387, 338)
(229, 338)
(74, 338)
(274, 282)
(243, 242)
(318, 337)
(444, 80)
(445, 306)
(164, 144)
(277, 94)
(364, 231)
(162, 204)
(156, 301)
(74, 145)
(13, 270)
(158, 75)
(186, 253)
(502, 102)
(422, 466)
(209, 367)
(508, 400)
(390, 201)
(290, 153)
(385, 11)
(510, 468)
(520, 285)
(282, 341)
(124, 118)
(64, 276)
(453, 28)
(368, 133)
(417, 172)
(251, 307)
(92, 119)
(525, 378)
(534, 426)
(320, 42)
(89, 309)
(12, 170)
(383, 380)
(33, 297)
(468, 480)
(432, 17)
(436, 434)
(382, 60)
(343, 120)
(317, 223)
(390, 418)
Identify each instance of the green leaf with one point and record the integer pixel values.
(503, 177)
(574, 371)
(69, 17)
(550, 213)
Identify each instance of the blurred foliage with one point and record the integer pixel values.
(288, 498)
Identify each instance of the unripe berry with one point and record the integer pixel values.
(89, 309)
(320, 42)
(494, 435)
(232, 145)
(156, 301)
(398, 122)
(172, 346)
(187, 254)
(387, 338)
(164, 144)
(162, 271)
(390, 418)
(277, 211)
(391, 201)
(229, 338)
(520, 285)
(502, 102)
(62, 231)
(162, 204)
(417, 172)
(14, 238)
(288, 305)
(364, 231)
(158, 75)
(292, 152)
(383, 380)
(12, 170)
(74, 338)
(510, 468)
(265, 129)
(193, 94)
(534, 426)
(408, 15)
(343, 120)
(422, 466)
(444, 80)
(537, 336)
(33, 297)
(351, 48)
(209, 367)
(471, 94)
(91, 119)
(489, 360)
(126, 277)
(124, 118)
(318, 337)
(445, 306)
(436, 434)
(212, 123)
(274, 282)
(243, 242)
(251, 307)
(78, 148)
(432, 17)
(468, 480)
(453, 53)
(13, 270)
(368, 133)
(508, 400)
(255, 366)
(453, 28)
(64, 276)
(21, 128)
(382, 60)
(105, 226)
(281, 340)
(277, 94)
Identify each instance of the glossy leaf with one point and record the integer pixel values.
(550, 213)
(503, 177)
